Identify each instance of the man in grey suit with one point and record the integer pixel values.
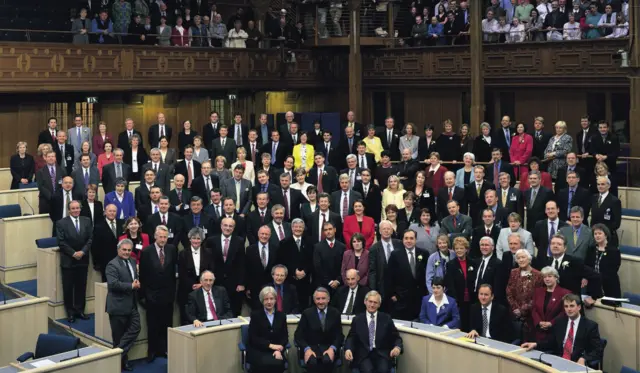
(84, 176)
(80, 28)
(122, 283)
(78, 134)
(379, 254)
(237, 184)
(224, 146)
(579, 237)
(74, 234)
(162, 170)
(114, 171)
(338, 197)
(199, 302)
(456, 224)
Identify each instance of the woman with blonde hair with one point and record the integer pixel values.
(43, 149)
(220, 171)
(392, 195)
(249, 173)
(374, 144)
(22, 166)
(303, 153)
(557, 149)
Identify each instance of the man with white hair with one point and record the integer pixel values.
(342, 200)
(606, 209)
(488, 268)
(379, 254)
(352, 170)
(450, 192)
(208, 302)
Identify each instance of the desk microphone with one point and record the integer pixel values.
(73, 357)
(33, 212)
(539, 359)
(475, 340)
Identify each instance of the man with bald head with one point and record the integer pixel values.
(260, 259)
(351, 122)
(61, 198)
(158, 130)
(502, 137)
(349, 298)
(450, 192)
(285, 129)
(106, 233)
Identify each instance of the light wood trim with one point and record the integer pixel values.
(27, 302)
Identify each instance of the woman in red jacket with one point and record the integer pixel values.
(357, 259)
(133, 231)
(548, 306)
(358, 223)
(534, 164)
(521, 149)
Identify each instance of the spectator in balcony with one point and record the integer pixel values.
(434, 32)
(482, 145)
(607, 21)
(299, 35)
(441, 14)
(563, 8)
(159, 10)
(516, 32)
(426, 15)
(418, 31)
(137, 33)
(103, 28)
(571, 29)
(578, 12)
(523, 11)
(543, 8)
(121, 13)
(503, 29)
(495, 8)
(335, 11)
(554, 22)
(282, 32)
(490, 29)
(255, 36)
(536, 22)
(187, 18)
(591, 20)
(557, 149)
(239, 16)
(237, 36)
(509, 8)
(141, 7)
(449, 29)
(150, 38)
(621, 28)
(462, 15)
(445, 6)
(217, 31)
(80, 28)
(198, 34)
(166, 34)
(625, 9)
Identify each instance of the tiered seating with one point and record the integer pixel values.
(32, 15)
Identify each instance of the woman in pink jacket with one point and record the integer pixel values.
(520, 151)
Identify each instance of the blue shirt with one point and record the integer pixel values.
(196, 220)
(269, 316)
(265, 134)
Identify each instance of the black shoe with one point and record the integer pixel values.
(127, 367)
(71, 319)
(151, 358)
(82, 316)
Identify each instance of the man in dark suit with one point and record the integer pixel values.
(584, 145)
(296, 253)
(142, 196)
(49, 136)
(324, 177)
(161, 170)
(172, 221)
(259, 260)
(208, 303)
(48, 179)
(606, 146)
(488, 266)
(74, 234)
(349, 298)
(545, 229)
(196, 218)
(258, 217)
(405, 278)
(498, 163)
(252, 147)
(114, 171)
(371, 195)
(502, 139)
(319, 334)
(390, 138)
(342, 200)
(536, 198)
(224, 146)
(193, 261)
(488, 228)
(574, 337)
(229, 211)
(388, 343)
(407, 168)
(124, 137)
(572, 269)
(315, 223)
(180, 196)
(158, 130)
(358, 129)
(215, 209)
(490, 319)
(379, 255)
(509, 198)
(456, 224)
(315, 136)
(60, 201)
(450, 192)
(474, 194)
(237, 183)
(188, 167)
(572, 165)
(348, 145)
(290, 198)
(573, 195)
(327, 259)
(64, 152)
(365, 160)
(555, 19)
(352, 170)
(540, 138)
(293, 136)
(239, 131)
(106, 231)
(263, 131)
(158, 264)
(279, 228)
(211, 130)
(277, 149)
(286, 294)
(273, 173)
(329, 150)
(123, 284)
(500, 214)
(204, 183)
(83, 176)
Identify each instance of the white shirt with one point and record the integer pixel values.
(165, 216)
(326, 219)
(362, 160)
(154, 206)
(373, 317)
(134, 160)
(434, 169)
(277, 227)
(603, 195)
(352, 293)
(555, 224)
(443, 301)
(558, 260)
(195, 254)
(576, 322)
(66, 198)
(483, 264)
(488, 318)
(571, 31)
(155, 166)
(206, 304)
(91, 208)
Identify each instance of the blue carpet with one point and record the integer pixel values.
(159, 365)
(631, 212)
(30, 287)
(85, 326)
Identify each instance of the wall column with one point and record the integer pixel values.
(477, 76)
(355, 59)
(634, 77)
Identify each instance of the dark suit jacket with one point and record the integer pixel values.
(309, 332)
(260, 275)
(456, 282)
(540, 235)
(44, 137)
(555, 19)
(327, 263)
(174, 223)
(71, 241)
(537, 211)
(408, 169)
(329, 181)
(262, 333)
(343, 148)
(443, 198)
(581, 197)
(476, 202)
(586, 343)
(228, 151)
(387, 337)
(231, 273)
(313, 226)
(289, 298)
(163, 176)
(123, 140)
(158, 282)
(198, 188)
(109, 176)
(103, 245)
(45, 188)
(504, 167)
(142, 157)
(240, 229)
(336, 201)
(561, 178)
(333, 158)
(372, 201)
(500, 326)
(57, 204)
(181, 169)
(295, 200)
(400, 282)
(573, 272)
(98, 210)
(489, 276)
(187, 276)
(370, 162)
(79, 189)
(478, 233)
(498, 140)
(515, 200)
(394, 145)
(609, 213)
(197, 310)
(175, 201)
(209, 134)
(254, 222)
(540, 143)
(378, 266)
(69, 155)
(294, 259)
(154, 134)
(340, 298)
(187, 223)
(283, 149)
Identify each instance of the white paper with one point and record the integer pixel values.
(43, 363)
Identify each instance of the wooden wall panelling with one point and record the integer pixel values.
(553, 105)
(433, 107)
(21, 122)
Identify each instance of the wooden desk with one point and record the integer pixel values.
(5, 178)
(18, 247)
(18, 197)
(629, 273)
(94, 359)
(21, 321)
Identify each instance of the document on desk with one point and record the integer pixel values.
(42, 363)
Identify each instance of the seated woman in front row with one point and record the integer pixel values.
(268, 335)
(438, 308)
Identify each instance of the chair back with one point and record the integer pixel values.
(10, 211)
(28, 185)
(45, 243)
(52, 344)
(244, 333)
(627, 370)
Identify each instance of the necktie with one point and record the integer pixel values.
(331, 245)
(389, 137)
(365, 190)
(196, 220)
(324, 220)
(212, 308)
(52, 172)
(155, 209)
(507, 136)
(155, 168)
(223, 142)
(552, 231)
(388, 251)
(218, 211)
(412, 263)
(238, 136)
(321, 315)
(350, 305)
(352, 177)
(319, 186)
(161, 256)
(279, 299)
(584, 140)
(86, 178)
(118, 170)
(78, 137)
(455, 221)
(575, 237)
(534, 193)
(568, 344)
(273, 154)
(350, 145)
(113, 228)
(569, 204)
(488, 232)
(77, 225)
(53, 135)
(345, 205)
(295, 139)
(556, 264)
(64, 159)
(496, 173)
(189, 174)
(66, 203)
(280, 233)
(253, 153)
(480, 270)
(485, 322)
(504, 197)
(164, 219)
(225, 251)
(206, 183)
(372, 331)
(262, 217)
(238, 185)
(129, 134)
(362, 161)
(298, 243)
(286, 204)
(450, 194)
(263, 256)
(126, 264)
(478, 189)
(600, 200)
(179, 191)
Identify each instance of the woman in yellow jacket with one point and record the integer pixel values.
(374, 145)
(303, 153)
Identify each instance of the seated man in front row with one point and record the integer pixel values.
(373, 339)
(575, 337)
(209, 302)
(488, 319)
(319, 334)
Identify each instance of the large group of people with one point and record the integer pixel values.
(283, 220)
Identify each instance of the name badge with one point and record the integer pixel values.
(170, 235)
(358, 178)
(205, 230)
(139, 247)
(513, 198)
(186, 207)
(60, 181)
(426, 195)
(607, 217)
(68, 158)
